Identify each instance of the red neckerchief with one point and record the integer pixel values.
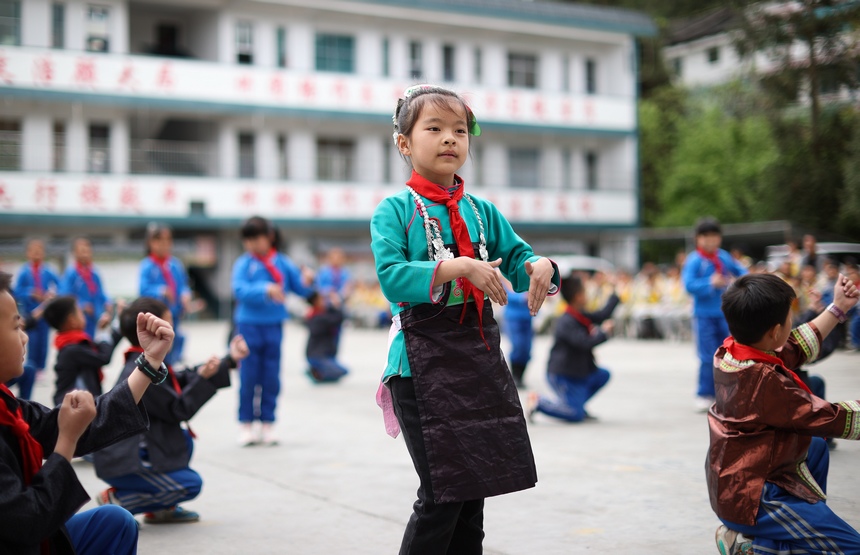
(580, 317)
(713, 258)
(37, 277)
(743, 352)
(31, 450)
(437, 194)
(86, 273)
(314, 311)
(134, 350)
(166, 274)
(269, 262)
(71, 337)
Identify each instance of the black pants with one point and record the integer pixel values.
(444, 528)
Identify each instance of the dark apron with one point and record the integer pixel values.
(471, 419)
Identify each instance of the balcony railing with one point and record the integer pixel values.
(155, 157)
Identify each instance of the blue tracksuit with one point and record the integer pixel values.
(25, 286)
(153, 284)
(708, 321)
(73, 284)
(518, 322)
(260, 321)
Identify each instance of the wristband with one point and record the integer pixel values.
(836, 311)
(155, 376)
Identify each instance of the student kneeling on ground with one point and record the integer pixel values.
(38, 500)
(149, 473)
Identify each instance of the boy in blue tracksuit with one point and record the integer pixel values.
(262, 277)
(707, 272)
(82, 281)
(35, 283)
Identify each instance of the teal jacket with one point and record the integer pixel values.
(399, 246)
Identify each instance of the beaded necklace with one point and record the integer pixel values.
(436, 249)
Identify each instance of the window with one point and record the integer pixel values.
(10, 23)
(10, 145)
(566, 169)
(58, 26)
(416, 66)
(590, 76)
(244, 42)
(448, 73)
(565, 74)
(677, 66)
(522, 70)
(59, 162)
(335, 53)
(713, 55)
(386, 161)
(283, 158)
(281, 45)
(477, 166)
(386, 64)
(247, 163)
(335, 160)
(524, 168)
(591, 177)
(98, 28)
(99, 153)
(478, 66)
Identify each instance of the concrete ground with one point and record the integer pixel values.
(631, 482)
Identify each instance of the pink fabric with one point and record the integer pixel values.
(383, 396)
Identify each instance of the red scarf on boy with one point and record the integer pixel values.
(71, 337)
(744, 352)
(37, 277)
(437, 194)
(86, 273)
(581, 318)
(269, 262)
(31, 450)
(713, 258)
(166, 274)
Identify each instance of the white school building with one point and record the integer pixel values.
(200, 113)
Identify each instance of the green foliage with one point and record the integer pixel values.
(721, 167)
(659, 119)
(849, 214)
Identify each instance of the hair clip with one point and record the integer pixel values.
(474, 128)
(415, 88)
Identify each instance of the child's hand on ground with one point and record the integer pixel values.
(486, 277)
(845, 293)
(76, 413)
(238, 348)
(155, 336)
(540, 274)
(276, 293)
(209, 368)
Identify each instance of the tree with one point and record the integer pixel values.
(659, 119)
(721, 167)
(812, 42)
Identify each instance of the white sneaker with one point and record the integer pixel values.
(246, 435)
(267, 435)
